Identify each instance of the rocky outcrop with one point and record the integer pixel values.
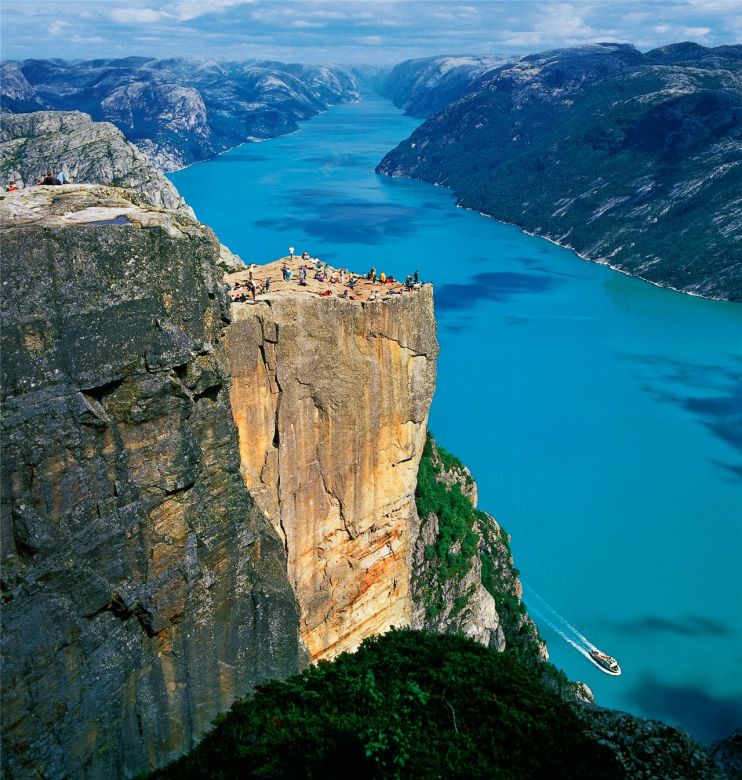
(90, 152)
(331, 401)
(463, 576)
(727, 754)
(229, 262)
(143, 590)
(631, 159)
(178, 111)
(648, 749)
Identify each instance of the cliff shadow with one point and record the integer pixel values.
(705, 716)
(712, 394)
(688, 625)
(349, 222)
(493, 286)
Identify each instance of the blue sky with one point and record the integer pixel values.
(354, 31)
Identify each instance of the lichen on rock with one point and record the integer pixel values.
(143, 590)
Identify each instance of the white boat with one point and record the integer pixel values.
(605, 663)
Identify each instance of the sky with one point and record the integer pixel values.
(351, 31)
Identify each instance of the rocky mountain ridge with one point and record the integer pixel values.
(631, 159)
(424, 86)
(179, 111)
(90, 152)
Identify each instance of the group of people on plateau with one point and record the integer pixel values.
(46, 180)
(412, 281)
(319, 278)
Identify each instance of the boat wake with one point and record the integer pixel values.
(546, 613)
(578, 637)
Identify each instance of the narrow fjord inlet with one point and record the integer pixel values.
(601, 416)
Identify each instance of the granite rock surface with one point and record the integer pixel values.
(143, 590)
(90, 152)
(331, 401)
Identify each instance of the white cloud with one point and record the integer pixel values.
(136, 15)
(191, 9)
(86, 39)
(57, 27)
(695, 32)
(373, 39)
(713, 6)
(555, 24)
(304, 24)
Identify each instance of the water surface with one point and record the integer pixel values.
(601, 416)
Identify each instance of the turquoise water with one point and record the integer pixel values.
(601, 416)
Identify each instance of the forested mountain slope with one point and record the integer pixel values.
(633, 160)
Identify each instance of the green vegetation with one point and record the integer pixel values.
(627, 169)
(407, 704)
(463, 533)
(457, 541)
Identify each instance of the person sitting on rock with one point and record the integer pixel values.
(382, 277)
(50, 179)
(305, 255)
(267, 285)
(352, 283)
(344, 294)
(11, 187)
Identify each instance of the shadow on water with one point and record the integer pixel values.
(706, 717)
(690, 625)
(351, 222)
(711, 393)
(494, 286)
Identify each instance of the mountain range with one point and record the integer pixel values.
(633, 160)
(179, 111)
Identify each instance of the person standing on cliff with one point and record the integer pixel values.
(291, 253)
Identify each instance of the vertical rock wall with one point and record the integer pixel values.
(142, 588)
(331, 402)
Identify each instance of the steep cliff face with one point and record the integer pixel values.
(331, 401)
(142, 588)
(91, 152)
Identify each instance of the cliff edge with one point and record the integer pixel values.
(143, 590)
(331, 401)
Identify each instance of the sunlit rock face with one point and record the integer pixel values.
(331, 401)
(90, 152)
(143, 589)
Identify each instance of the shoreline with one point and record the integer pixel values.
(556, 242)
